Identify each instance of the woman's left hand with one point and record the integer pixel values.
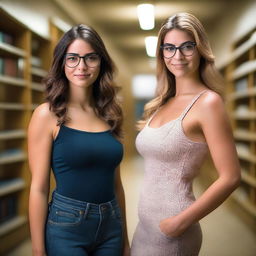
(172, 226)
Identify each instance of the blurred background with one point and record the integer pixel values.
(30, 29)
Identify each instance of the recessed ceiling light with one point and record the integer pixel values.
(146, 15)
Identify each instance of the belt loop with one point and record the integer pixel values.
(86, 210)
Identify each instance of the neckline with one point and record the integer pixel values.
(176, 119)
(83, 131)
(155, 128)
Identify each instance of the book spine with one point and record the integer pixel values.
(10, 67)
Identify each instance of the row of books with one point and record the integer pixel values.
(11, 66)
(6, 38)
(8, 207)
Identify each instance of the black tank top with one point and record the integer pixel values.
(84, 164)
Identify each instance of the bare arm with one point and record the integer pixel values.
(39, 150)
(218, 134)
(121, 200)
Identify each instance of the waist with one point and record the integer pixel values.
(61, 200)
(89, 185)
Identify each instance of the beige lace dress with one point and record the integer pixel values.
(171, 163)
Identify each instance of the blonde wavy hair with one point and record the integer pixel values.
(166, 86)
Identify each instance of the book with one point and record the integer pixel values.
(20, 67)
(7, 38)
(1, 66)
(8, 207)
(10, 67)
(36, 61)
(1, 36)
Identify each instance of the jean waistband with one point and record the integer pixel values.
(81, 205)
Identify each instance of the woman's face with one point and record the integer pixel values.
(87, 71)
(185, 62)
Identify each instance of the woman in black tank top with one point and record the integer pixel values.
(77, 133)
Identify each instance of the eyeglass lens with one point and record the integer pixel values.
(91, 60)
(186, 49)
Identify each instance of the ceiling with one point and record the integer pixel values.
(117, 19)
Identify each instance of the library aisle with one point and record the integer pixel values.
(224, 233)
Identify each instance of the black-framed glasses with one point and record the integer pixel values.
(186, 49)
(91, 60)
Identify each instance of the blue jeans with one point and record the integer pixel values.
(76, 228)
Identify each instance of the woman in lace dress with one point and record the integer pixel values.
(185, 121)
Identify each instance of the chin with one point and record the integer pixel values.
(179, 74)
(81, 85)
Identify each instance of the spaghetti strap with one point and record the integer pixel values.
(191, 104)
(149, 120)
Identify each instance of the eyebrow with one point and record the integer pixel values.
(76, 54)
(168, 44)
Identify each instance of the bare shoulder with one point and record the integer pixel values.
(211, 99)
(211, 102)
(43, 119)
(212, 109)
(43, 113)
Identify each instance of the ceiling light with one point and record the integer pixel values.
(151, 43)
(146, 16)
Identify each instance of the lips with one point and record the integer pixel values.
(82, 75)
(180, 65)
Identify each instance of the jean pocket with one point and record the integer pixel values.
(64, 216)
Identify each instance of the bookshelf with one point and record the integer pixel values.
(14, 114)
(240, 76)
(40, 62)
(24, 60)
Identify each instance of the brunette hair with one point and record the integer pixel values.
(166, 86)
(103, 90)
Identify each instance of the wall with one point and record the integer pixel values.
(235, 22)
(36, 14)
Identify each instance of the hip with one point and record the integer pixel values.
(68, 213)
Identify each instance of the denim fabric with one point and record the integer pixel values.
(76, 228)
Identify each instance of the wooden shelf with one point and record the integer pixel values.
(244, 116)
(12, 134)
(37, 87)
(12, 106)
(242, 49)
(246, 156)
(11, 50)
(243, 94)
(248, 178)
(240, 75)
(11, 186)
(21, 94)
(38, 72)
(12, 224)
(238, 195)
(12, 80)
(12, 157)
(244, 135)
(244, 69)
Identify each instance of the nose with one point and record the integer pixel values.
(178, 55)
(82, 64)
